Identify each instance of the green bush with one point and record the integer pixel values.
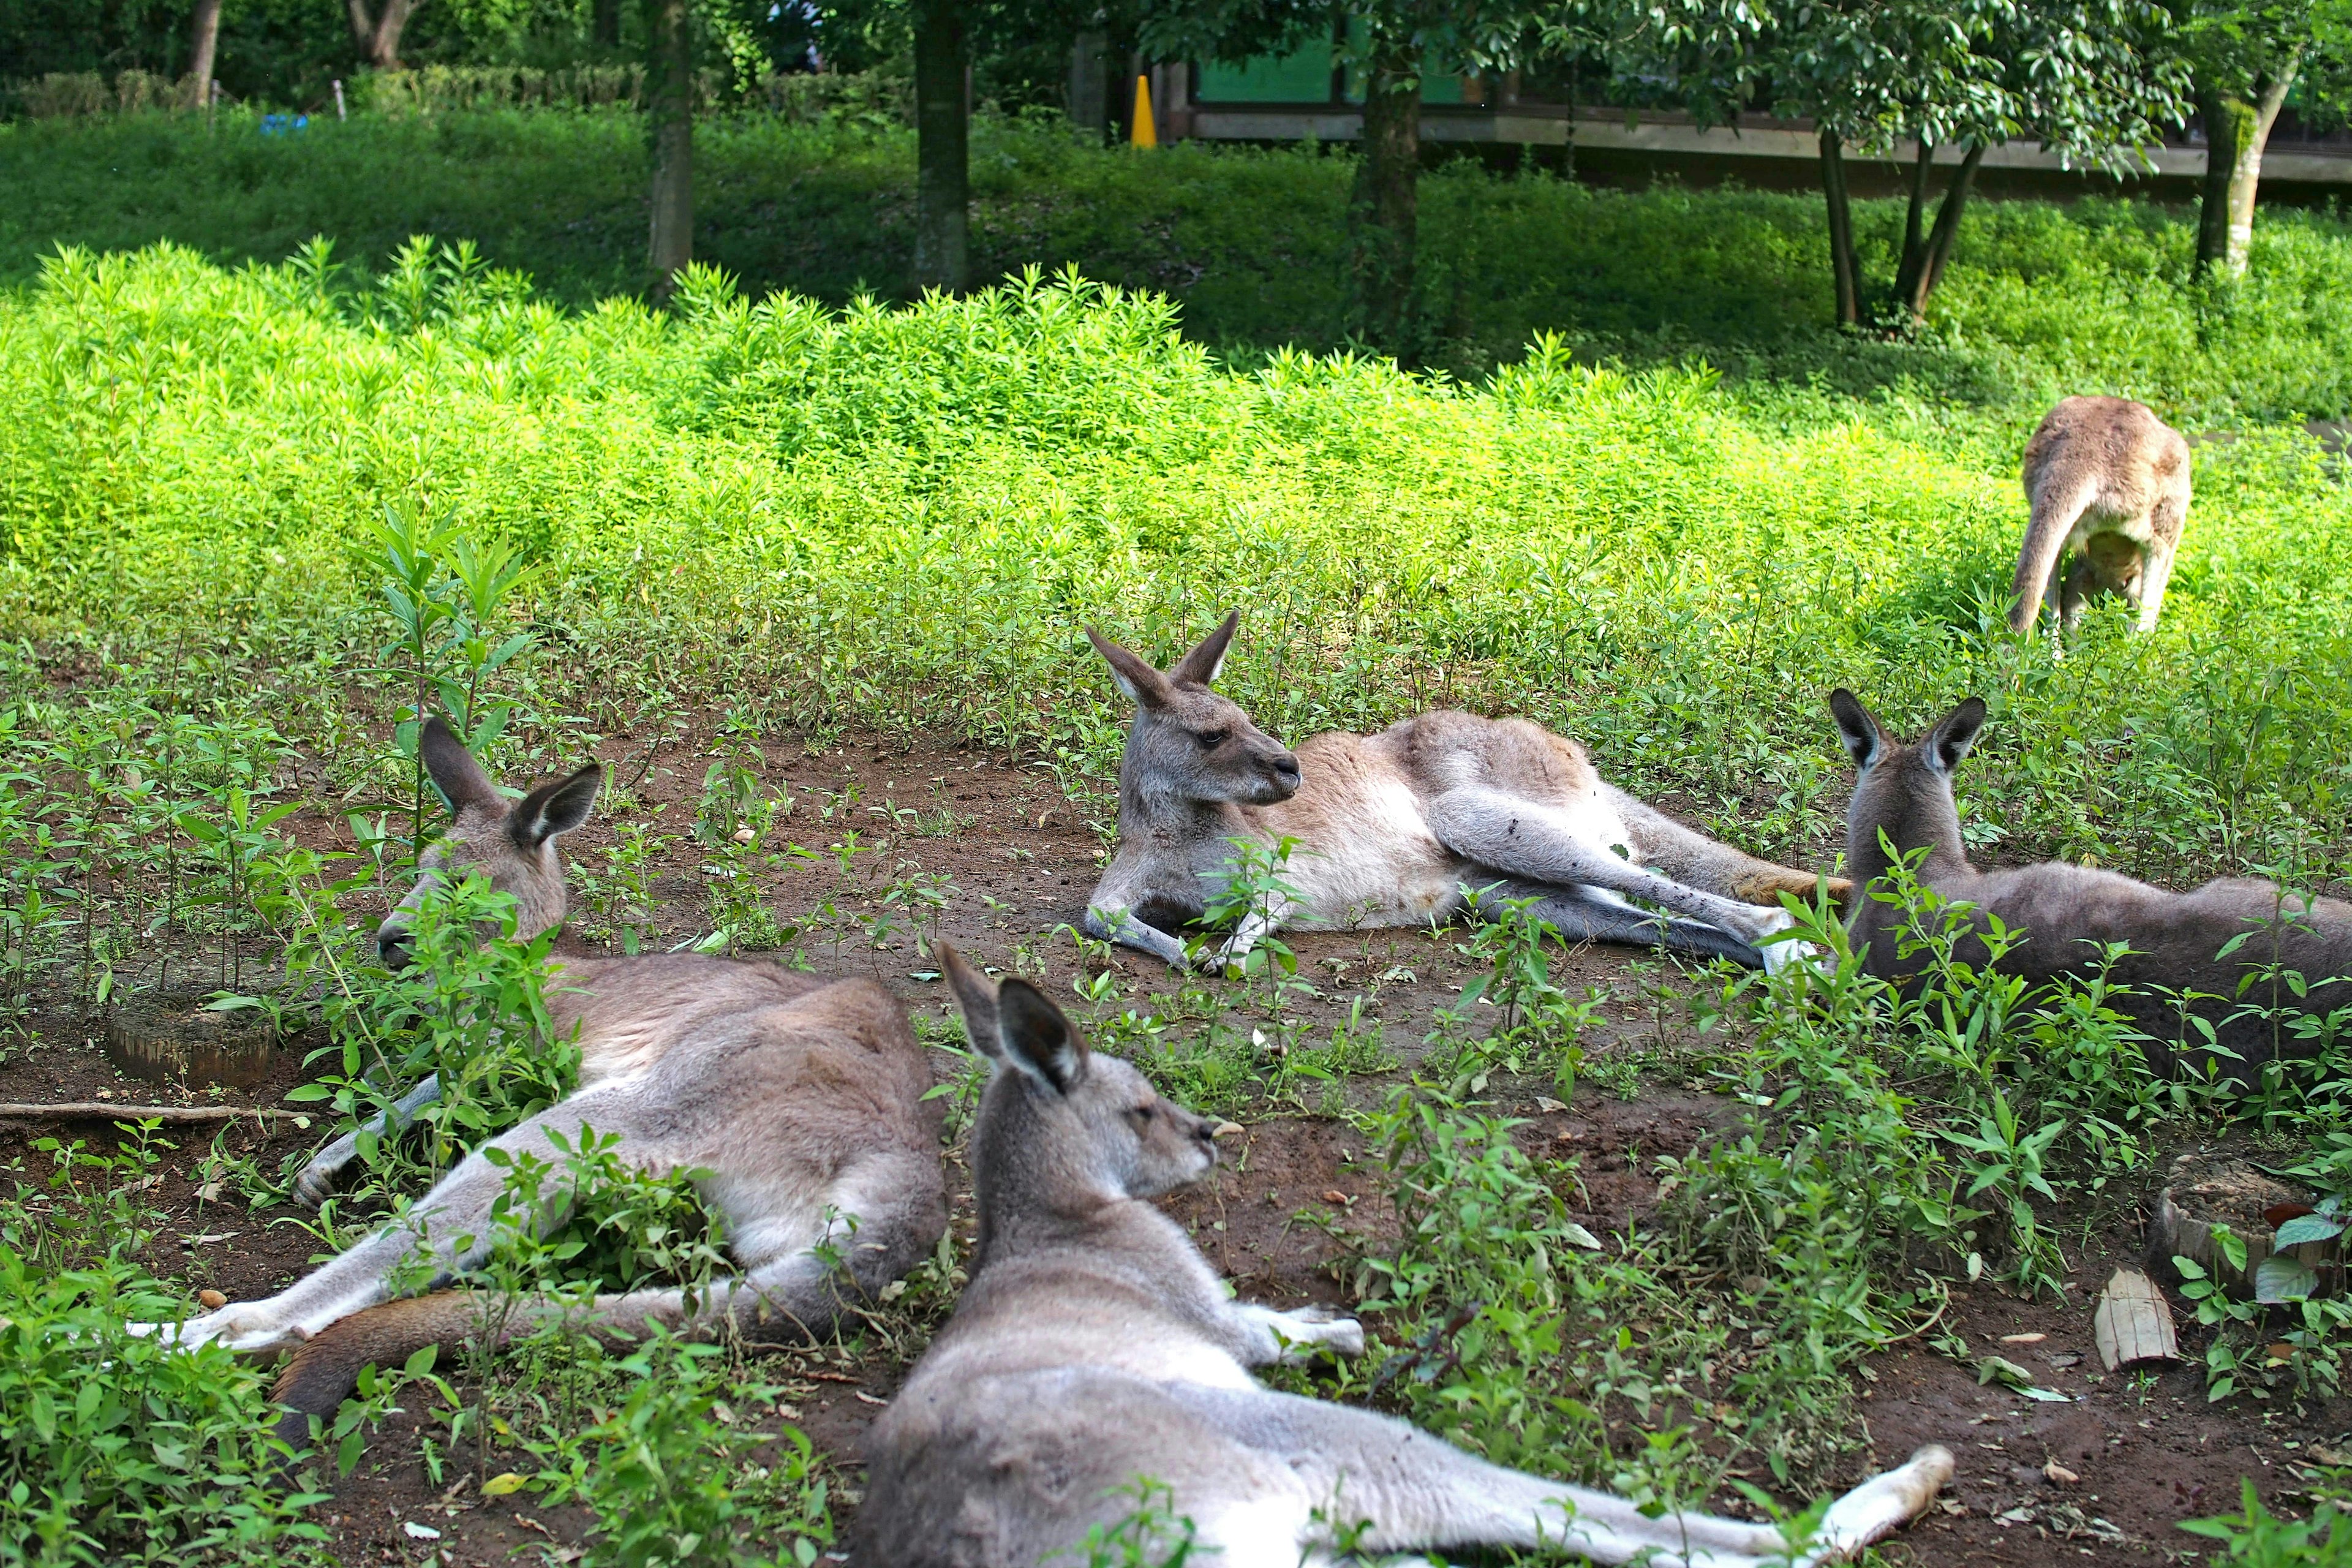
(814, 196)
(168, 1457)
(904, 517)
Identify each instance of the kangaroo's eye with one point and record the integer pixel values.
(1214, 738)
(1142, 1113)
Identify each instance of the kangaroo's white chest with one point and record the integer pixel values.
(1379, 865)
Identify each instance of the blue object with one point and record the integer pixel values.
(280, 124)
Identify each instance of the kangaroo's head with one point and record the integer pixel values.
(1905, 791)
(1188, 743)
(1061, 1130)
(513, 843)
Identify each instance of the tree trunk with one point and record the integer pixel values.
(204, 43)
(2236, 132)
(1843, 271)
(1923, 268)
(670, 104)
(379, 40)
(605, 24)
(1915, 214)
(942, 151)
(1385, 212)
(1089, 92)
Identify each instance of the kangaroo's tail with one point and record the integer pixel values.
(793, 1301)
(2058, 501)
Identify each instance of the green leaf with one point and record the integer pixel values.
(2279, 1279)
(2306, 1227)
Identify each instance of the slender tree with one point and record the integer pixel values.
(2247, 56)
(669, 112)
(942, 146)
(2087, 79)
(205, 38)
(378, 37)
(1387, 45)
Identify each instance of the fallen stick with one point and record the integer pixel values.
(77, 1110)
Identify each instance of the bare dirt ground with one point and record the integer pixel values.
(2143, 1452)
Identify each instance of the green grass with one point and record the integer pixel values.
(904, 518)
(2042, 299)
(814, 520)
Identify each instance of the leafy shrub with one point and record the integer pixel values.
(165, 1458)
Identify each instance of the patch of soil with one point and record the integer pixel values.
(1021, 858)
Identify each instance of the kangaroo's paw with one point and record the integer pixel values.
(248, 1327)
(317, 1179)
(1882, 1505)
(1319, 1328)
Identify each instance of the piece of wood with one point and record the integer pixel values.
(2209, 1191)
(84, 1110)
(2133, 1322)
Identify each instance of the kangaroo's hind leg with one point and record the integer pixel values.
(1710, 864)
(1411, 1491)
(446, 1230)
(1541, 843)
(1584, 914)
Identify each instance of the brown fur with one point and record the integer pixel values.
(1903, 794)
(2109, 479)
(805, 1098)
(1094, 1345)
(1391, 828)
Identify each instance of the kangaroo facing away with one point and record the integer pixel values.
(1391, 826)
(2108, 480)
(804, 1097)
(2068, 913)
(1095, 1346)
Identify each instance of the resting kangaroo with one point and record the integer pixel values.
(2066, 911)
(1095, 1346)
(804, 1097)
(1391, 826)
(2109, 481)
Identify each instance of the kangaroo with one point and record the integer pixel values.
(2109, 481)
(1903, 795)
(804, 1095)
(1391, 826)
(1094, 1345)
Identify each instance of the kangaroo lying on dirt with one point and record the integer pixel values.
(1391, 826)
(1094, 1345)
(1905, 793)
(804, 1095)
(2109, 481)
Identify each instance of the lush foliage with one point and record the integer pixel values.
(166, 1458)
(2039, 300)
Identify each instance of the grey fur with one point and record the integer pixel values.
(1392, 826)
(1095, 1346)
(1905, 793)
(804, 1095)
(2109, 481)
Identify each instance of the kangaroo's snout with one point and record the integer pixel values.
(396, 945)
(1281, 777)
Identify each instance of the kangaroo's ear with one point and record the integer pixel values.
(1146, 686)
(1950, 741)
(451, 768)
(1036, 1038)
(554, 808)
(976, 993)
(1856, 727)
(1200, 667)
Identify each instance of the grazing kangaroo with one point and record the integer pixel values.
(804, 1097)
(2109, 481)
(1095, 1346)
(1391, 826)
(1905, 793)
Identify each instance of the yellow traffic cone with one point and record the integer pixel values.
(1143, 134)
